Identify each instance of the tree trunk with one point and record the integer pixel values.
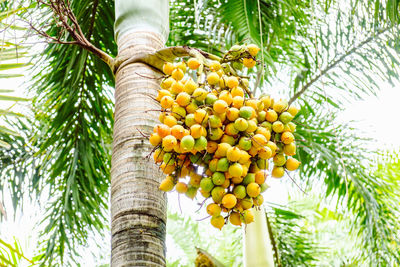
(138, 207)
(257, 243)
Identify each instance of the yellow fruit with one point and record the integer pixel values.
(261, 175)
(233, 154)
(169, 142)
(222, 150)
(264, 131)
(290, 149)
(215, 66)
(220, 106)
(213, 209)
(200, 94)
(177, 87)
(226, 96)
(197, 130)
(237, 91)
(271, 115)
(182, 66)
(292, 164)
(265, 152)
(293, 110)
(229, 201)
(232, 82)
(155, 139)
(241, 124)
(252, 126)
(246, 203)
(235, 170)
(231, 130)
(193, 63)
(213, 78)
(232, 114)
(278, 127)
(253, 49)
(234, 218)
(158, 155)
(162, 93)
(200, 116)
(259, 140)
(170, 121)
(267, 101)
(177, 74)
(280, 105)
(183, 99)
(190, 86)
(181, 187)
(244, 157)
(166, 185)
(248, 216)
(168, 68)
(217, 221)
(253, 189)
(249, 63)
(258, 200)
(166, 102)
(278, 172)
(287, 138)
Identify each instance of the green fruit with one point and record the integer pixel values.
(267, 125)
(244, 143)
(228, 139)
(217, 194)
(218, 178)
(262, 164)
(292, 127)
(189, 120)
(237, 65)
(264, 187)
(261, 116)
(191, 192)
(215, 134)
(223, 165)
(168, 159)
(206, 184)
(285, 117)
(241, 124)
(279, 160)
(187, 143)
(178, 112)
(215, 121)
(249, 178)
(195, 158)
(200, 143)
(246, 112)
(239, 191)
(211, 98)
(207, 158)
(247, 203)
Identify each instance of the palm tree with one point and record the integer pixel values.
(73, 108)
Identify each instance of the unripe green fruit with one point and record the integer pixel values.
(215, 134)
(200, 144)
(241, 124)
(217, 194)
(195, 158)
(187, 143)
(249, 178)
(206, 184)
(239, 191)
(223, 165)
(279, 160)
(168, 159)
(244, 143)
(211, 98)
(285, 117)
(191, 192)
(262, 164)
(218, 178)
(261, 116)
(189, 120)
(246, 112)
(215, 121)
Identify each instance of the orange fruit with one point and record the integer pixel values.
(177, 74)
(217, 221)
(183, 99)
(234, 218)
(181, 187)
(166, 185)
(155, 139)
(229, 201)
(193, 63)
(249, 63)
(169, 142)
(287, 138)
(162, 130)
(166, 102)
(292, 164)
(226, 96)
(261, 175)
(178, 131)
(253, 189)
(220, 106)
(237, 91)
(213, 78)
(213, 209)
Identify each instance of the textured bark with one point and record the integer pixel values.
(257, 243)
(138, 207)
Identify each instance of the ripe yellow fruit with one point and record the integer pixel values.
(169, 142)
(200, 94)
(166, 185)
(168, 68)
(265, 152)
(193, 63)
(183, 99)
(231, 130)
(271, 115)
(252, 126)
(236, 170)
(155, 139)
(280, 105)
(213, 209)
(287, 138)
(278, 172)
(181, 187)
(237, 91)
(253, 189)
(190, 86)
(162, 93)
(217, 221)
(170, 121)
(246, 203)
(200, 116)
(290, 149)
(233, 154)
(249, 63)
(292, 164)
(177, 74)
(220, 106)
(259, 140)
(229, 201)
(197, 130)
(222, 150)
(232, 82)
(215, 66)
(232, 114)
(177, 87)
(226, 96)
(213, 78)
(261, 175)
(278, 127)
(293, 110)
(166, 102)
(253, 49)
(234, 219)
(248, 216)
